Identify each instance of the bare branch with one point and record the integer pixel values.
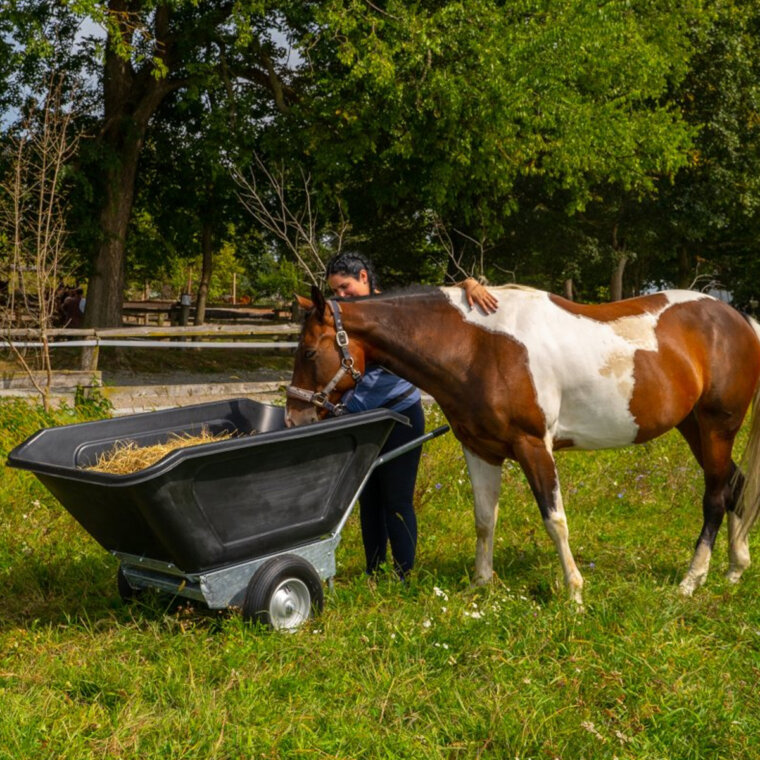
(294, 223)
(33, 214)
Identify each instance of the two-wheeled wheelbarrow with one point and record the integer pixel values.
(252, 521)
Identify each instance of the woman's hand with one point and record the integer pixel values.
(478, 295)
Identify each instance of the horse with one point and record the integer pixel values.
(542, 374)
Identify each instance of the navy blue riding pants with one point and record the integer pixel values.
(386, 503)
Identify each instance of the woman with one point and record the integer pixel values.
(386, 503)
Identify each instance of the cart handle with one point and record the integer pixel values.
(413, 444)
(392, 454)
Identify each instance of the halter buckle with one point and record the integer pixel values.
(341, 338)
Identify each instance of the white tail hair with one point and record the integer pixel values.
(748, 503)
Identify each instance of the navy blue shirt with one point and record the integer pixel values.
(377, 388)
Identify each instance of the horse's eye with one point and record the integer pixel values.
(310, 353)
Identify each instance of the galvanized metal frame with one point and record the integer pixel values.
(226, 586)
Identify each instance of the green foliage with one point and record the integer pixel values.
(226, 266)
(467, 98)
(559, 134)
(91, 404)
(273, 277)
(430, 669)
(709, 216)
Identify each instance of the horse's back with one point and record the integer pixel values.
(610, 374)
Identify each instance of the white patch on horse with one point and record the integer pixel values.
(582, 369)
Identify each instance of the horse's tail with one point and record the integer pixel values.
(748, 503)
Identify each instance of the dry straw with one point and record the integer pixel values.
(127, 457)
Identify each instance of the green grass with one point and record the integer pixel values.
(429, 669)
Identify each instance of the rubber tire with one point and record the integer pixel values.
(273, 576)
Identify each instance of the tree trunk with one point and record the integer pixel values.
(130, 98)
(616, 281)
(105, 291)
(568, 288)
(621, 259)
(685, 270)
(207, 248)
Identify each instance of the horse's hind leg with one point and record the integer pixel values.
(738, 544)
(537, 462)
(715, 458)
(486, 484)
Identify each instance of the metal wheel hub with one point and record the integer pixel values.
(290, 604)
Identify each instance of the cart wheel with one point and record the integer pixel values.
(283, 593)
(126, 592)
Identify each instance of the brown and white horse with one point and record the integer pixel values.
(542, 374)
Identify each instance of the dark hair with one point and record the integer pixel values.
(351, 265)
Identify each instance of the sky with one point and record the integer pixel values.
(88, 28)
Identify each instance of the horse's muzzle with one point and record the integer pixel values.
(298, 417)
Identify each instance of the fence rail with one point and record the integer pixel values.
(92, 339)
(154, 332)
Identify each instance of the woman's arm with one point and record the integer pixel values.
(478, 295)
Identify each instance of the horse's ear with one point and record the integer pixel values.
(304, 303)
(319, 302)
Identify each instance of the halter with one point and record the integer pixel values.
(320, 398)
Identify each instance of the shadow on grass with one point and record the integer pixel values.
(84, 592)
(535, 570)
(530, 568)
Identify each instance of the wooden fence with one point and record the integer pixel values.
(171, 312)
(249, 337)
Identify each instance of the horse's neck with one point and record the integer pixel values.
(403, 334)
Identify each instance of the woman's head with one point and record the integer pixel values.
(349, 274)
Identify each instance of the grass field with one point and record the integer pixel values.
(429, 669)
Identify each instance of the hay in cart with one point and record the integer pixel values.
(127, 457)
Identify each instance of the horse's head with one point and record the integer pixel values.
(325, 365)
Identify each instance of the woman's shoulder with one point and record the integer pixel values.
(380, 387)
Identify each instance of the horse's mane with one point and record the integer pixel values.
(414, 290)
(511, 286)
(405, 291)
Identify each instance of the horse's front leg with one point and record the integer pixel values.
(536, 459)
(486, 484)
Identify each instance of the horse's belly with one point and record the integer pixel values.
(597, 418)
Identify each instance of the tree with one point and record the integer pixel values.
(451, 106)
(608, 126)
(708, 219)
(151, 50)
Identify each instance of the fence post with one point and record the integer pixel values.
(184, 311)
(89, 358)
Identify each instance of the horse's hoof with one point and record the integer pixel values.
(687, 587)
(733, 576)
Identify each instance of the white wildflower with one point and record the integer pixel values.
(591, 728)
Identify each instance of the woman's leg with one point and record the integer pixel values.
(396, 491)
(372, 518)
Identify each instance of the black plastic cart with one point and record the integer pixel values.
(250, 521)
